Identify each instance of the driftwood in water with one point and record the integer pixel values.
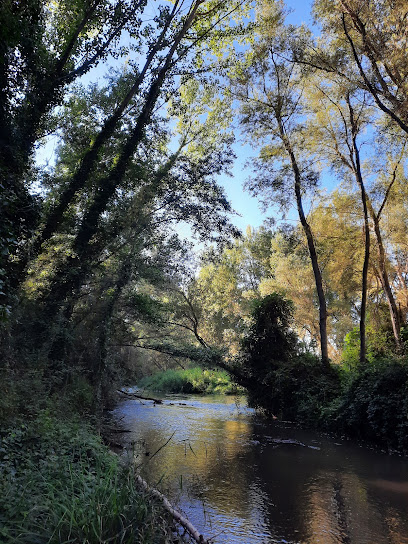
(134, 396)
(181, 520)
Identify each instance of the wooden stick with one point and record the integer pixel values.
(184, 522)
(133, 395)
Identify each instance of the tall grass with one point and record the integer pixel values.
(60, 484)
(191, 380)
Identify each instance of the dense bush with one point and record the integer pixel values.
(283, 380)
(374, 404)
(59, 483)
(191, 380)
(298, 389)
(368, 402)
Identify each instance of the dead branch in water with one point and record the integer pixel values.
(134, 396)
(184, 522)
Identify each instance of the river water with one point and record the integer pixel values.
(248, 481)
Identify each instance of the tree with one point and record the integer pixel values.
(371, 43)
(167, 44)
(338, 127)
(227, 283)
(43, 50)
(341, 118)
(269, 88)
(271, 340)
(388, 175)
(280, 378)
(124, 177)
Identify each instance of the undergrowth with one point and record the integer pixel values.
(60, 484)
(191, 380)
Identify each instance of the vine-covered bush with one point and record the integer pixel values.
(284, 380)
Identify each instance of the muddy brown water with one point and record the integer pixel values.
(247, 481)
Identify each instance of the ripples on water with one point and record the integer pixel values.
(251, 482)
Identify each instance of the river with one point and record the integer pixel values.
(248, 481)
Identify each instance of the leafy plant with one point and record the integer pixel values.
(373, 405)
(59, 483)
(283, 380)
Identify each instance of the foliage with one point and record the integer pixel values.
(368, 402)
(283, 380)
(298, 390)
(270, 340)
(379, 345)
(366, 43)
(227, 283)
(373, 404)
(191, 380)
(59, 483)
(123, 176)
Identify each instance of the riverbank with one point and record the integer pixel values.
(60, 483)
(368, 404)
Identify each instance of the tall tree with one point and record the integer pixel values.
(369, 47)
(167, 45)
(342, 115)
(269, 88)
(45, 48)
(388, 178)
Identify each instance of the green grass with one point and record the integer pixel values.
(192, 380)
(60, 484)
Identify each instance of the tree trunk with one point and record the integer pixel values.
(394, 313)
(359, 178)
(311, 246)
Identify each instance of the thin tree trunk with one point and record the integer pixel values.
(394, 314)
(311, 246)
(124, 276)
(364, 280)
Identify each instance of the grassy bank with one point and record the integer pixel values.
(59, 483)
(191, 380)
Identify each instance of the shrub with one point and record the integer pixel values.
(298, 389)
(374, 404)
(282, 380)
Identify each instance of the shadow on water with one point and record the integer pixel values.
(252, 482)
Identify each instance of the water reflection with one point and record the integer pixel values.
(255, 482)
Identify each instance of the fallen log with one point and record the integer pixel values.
(134, 396)
(181, 520)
